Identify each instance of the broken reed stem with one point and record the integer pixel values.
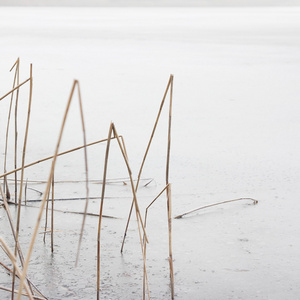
(13, 260)
(101, 209)
(123, 144)
(86, 173)
(137, 210)
(131, 181)
(45, 194)
(17, 87)
(51, 157)
(145, 224)
(210, 205)
(112, 129)
(145, 156)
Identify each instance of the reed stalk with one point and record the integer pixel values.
(169, 206)
(131, 181)
(86, 173)
(112, 129)
(51, 157)
(214, 204)
(23, 163)
(52, 213)
(94, 181)
(137, 210)
(15, 88)
(101, 208)
(145, 156)
(5, 187)
(169, 202)
(5, 156)
(45, 194)
(145, 246)
(25, 192)
(46, 217)
(16, 130)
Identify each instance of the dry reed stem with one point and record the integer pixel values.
(17, 87)
(145, 224)
(169, 202)
(52, 213)
(123, 144)
(5, 157)
(16, 130)
(144, 258)
(101, 209)
(169, 132)
(169, 206)
(137, 210)
(86, 173)
(112, 129)
(76, 212)
(45, 194)
(20, 274)
(23, 160)
(131, 181)
(82, 213)
(210, 205)
(16, 62)
(7, 189)
(7, 132)
(93, 181)
(146, 211)
(145, 156)
(3, 265)
(3, 250)
(168, 187)
(154, 129)
(26, 187)
(46, 215)
(51, 157)
(26, 136)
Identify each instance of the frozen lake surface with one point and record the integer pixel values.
(235, 133)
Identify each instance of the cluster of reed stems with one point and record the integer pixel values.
(26, 287)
